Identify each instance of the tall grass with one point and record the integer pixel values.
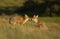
(28, 30)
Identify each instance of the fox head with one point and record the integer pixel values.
(35, 18)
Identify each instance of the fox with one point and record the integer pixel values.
(19, 19)
(38, 23)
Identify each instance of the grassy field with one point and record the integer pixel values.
(28, 30)
(18, 3)
(12, 2)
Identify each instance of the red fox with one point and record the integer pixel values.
(18, 19)
(38, 23)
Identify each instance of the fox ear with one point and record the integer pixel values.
(34, 16)
(25, 14)
(37, 16)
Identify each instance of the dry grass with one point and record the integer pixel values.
(28, 30)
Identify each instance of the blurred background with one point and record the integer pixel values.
(43, 8)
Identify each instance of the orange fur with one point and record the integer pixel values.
(18, 19)
(39, 23)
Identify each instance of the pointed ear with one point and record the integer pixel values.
(37, 16)
(25, 14)
(34, 16)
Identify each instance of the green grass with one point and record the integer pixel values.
(28, 30)
(5, 3)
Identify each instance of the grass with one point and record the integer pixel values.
(18, 3)
(28, 30)
(12, 2)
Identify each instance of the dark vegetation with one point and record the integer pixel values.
(31, 7)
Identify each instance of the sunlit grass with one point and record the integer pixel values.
(12, 2)
(28, 30)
